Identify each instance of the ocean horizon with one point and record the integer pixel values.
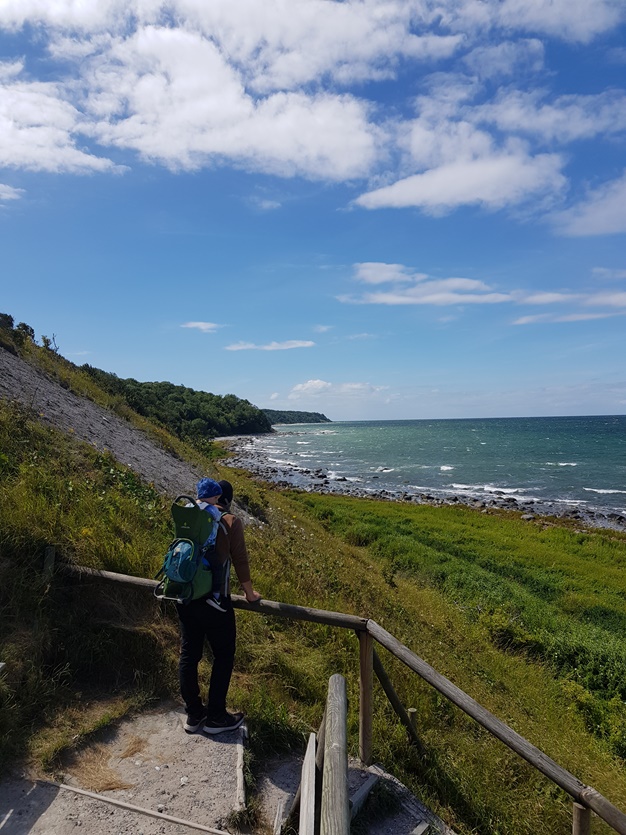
(563, 462)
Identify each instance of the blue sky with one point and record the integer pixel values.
(376, 210)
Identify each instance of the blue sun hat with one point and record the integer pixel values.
(207, 488)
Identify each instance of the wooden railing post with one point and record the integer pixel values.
(581, 822)
(307, 802)
(48, 562)
(395, 701)
(335, 813)
(366, 689)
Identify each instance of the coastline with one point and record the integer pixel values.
(246, 456)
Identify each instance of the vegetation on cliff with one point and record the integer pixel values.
(189, 414)
(277, 416)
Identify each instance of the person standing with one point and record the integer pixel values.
(199, 621)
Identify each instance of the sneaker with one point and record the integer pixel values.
(227, 722)
(216, 603)
(194, 723)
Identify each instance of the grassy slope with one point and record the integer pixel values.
(471, 779)
(472, 594)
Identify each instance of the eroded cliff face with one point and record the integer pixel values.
(97, 426)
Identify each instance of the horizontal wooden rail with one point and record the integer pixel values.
(585, 795)
(264, 607)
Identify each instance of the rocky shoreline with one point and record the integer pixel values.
(245, 455)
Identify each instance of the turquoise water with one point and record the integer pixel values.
(568, 460)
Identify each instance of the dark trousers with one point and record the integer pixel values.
(197, 622)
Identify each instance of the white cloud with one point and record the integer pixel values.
(606, 273)
(10, 193)
(492, 182)
(410, 287)
(603, 212)
(565, 119)
(272, 346)
(356, 33)
(377, 272)
(567, 317)
(505, 59)
(607, 300)
(264, 204)
(311, 387)
(574, 20)
(170, 95)
(205, 327)
(314, 389)
(39, 129)
(546, 298)
(322, 328)
(349, 42)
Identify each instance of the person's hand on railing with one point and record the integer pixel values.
(252, 596)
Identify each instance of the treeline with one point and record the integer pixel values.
(12, 336)
(278, 416)
(189, 414)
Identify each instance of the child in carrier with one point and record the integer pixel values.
(209, 492)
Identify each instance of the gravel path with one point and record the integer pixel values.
(154, 764)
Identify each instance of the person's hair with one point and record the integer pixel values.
(227, 492)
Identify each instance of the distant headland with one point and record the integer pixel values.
(277, 416)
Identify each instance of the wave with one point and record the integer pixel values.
(445, 468)
(561, 464)
(285, 462)
(593, 490)
(487, 488)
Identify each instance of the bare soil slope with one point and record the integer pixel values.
(86, 420)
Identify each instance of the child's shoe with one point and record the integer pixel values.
(217, 603)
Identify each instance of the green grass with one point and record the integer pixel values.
(557, 595)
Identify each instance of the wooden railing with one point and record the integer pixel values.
(586, 799)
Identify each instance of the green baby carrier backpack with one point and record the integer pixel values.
(186, 573)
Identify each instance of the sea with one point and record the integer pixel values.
(561, 461)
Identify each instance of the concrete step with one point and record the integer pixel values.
(277, 787)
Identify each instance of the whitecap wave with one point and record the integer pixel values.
(594, 490)
(444, 468)
(561, 464)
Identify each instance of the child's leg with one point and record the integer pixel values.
(217, 574)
